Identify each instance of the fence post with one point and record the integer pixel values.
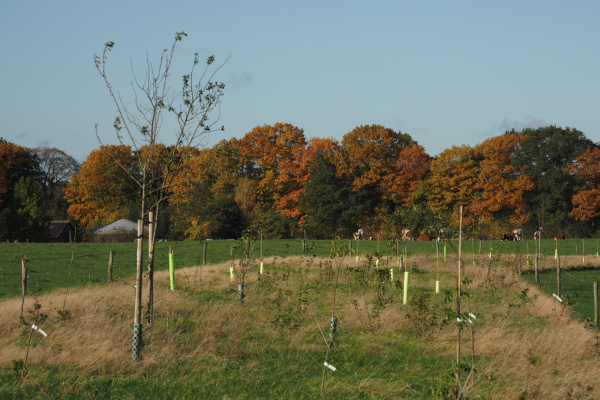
(596, 304)
(558, 274)
(24, 268)
(171, 268)
(111, 257)
(536, 263)
(248, 247)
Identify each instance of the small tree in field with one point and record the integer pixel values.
(160, 158)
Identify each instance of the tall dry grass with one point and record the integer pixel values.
(523, 340)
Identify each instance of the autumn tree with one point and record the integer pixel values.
(586, 202)
(222, 198)
(102, 190)
(270, 147)
(295, 173)
(453, 182)
(501, 185)
(370, 154)
(544, 154)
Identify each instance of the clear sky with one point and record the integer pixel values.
(445, 72)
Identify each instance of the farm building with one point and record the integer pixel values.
(60, 231)
(122, 230)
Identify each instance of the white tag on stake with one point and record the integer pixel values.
(34, 327)
(331, 367)
(557, 298)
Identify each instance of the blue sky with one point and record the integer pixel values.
(447, 73)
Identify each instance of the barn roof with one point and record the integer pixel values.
(117, 226)
(57, 227)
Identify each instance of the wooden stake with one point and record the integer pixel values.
(458, 289)
(24, 268)
(111, 257)
(139, 273)
(151, 233)
(558, 275)
(137, 316)
(596, 304)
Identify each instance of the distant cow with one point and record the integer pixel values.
(518, 234)
(507, 238)
(536, 235)
(425, 238)
(441, 235)
(407, 235)
(560, 237)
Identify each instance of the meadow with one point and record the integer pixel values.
(49, 264)
(519, 343)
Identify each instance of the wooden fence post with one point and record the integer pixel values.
(596, 304)
(111, 256)
(248, 247)
(536, 263)
(558, 274)
(24, 268)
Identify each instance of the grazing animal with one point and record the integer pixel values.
(425, 238)
(536, 235)
(441, 235)
(518, 233)
(508, 238)
(360, 235)
(407, 235)
(560, 237)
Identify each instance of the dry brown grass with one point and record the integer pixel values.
(532, 344)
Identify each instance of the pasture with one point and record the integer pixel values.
(205, 344)
(49, 264)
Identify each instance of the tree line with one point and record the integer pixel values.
(277, 182)
(31, 190)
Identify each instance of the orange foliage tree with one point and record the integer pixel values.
(102, 190)
(586, 202)
(269, 148)
(370, 154)
(294, 173)
(453, 182)
(501, 185)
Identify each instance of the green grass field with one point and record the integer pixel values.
(204, 344)
(577, 289)
(49, 264)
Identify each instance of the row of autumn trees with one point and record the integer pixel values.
(31, 190)
(277, 182)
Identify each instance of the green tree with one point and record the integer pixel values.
(30, 220)
(331, 206)
(545, 155)
(16, 162)
(57, 167)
